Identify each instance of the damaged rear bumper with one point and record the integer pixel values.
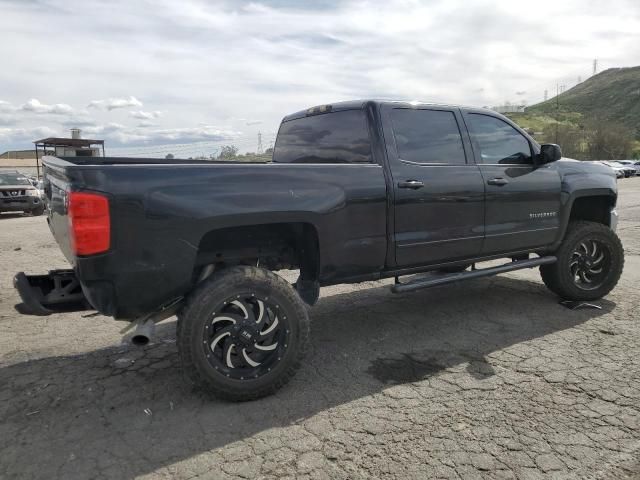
(58, 291)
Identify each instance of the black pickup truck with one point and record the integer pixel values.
(356, 191)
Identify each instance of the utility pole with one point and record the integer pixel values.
(557, 110)
(595, 66)
(259, 151)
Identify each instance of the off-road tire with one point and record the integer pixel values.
(557, 276)
(192, 320)
(36, 212)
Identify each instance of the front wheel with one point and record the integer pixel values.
(590, 262)
(36, 212)
(242, 333)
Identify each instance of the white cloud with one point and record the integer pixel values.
(35, 106)
(7, 119)
(174, 135)
(147, 124)
(119, 134)
(142, 115)
(6, 106)
(26, 136)
(234, 64)
(113, 103)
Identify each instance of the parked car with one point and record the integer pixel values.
(17, 194)
(635, 164)
(356, 191)
(627, 170)
(619, 170)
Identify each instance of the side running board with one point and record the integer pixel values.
(443, 279)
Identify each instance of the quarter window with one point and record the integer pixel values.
(427, 136)
(497, 141)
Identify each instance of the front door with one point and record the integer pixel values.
(438, 196)
(522, 199)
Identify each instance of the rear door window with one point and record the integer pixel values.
(427, 136)
(336, 137)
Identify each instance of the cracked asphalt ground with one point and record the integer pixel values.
(490, 378)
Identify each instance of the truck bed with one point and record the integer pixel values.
(164, 214)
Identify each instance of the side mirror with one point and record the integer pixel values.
(550, 152)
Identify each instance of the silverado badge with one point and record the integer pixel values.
(543, 215)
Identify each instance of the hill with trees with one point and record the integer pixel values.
(597, 119)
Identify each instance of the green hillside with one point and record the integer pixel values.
(605, 105)
(612, 95)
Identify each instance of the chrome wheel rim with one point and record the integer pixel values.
(589, 265)
(246, 336)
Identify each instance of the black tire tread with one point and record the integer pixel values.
(36, 212)
(228, 278)
(558, 282)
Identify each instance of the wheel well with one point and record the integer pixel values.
(274, 246)
(593, 209)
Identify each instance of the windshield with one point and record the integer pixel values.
(13, 179)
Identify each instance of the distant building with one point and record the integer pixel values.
(509, 108)
(18, 155)
(76, 146)
(19, 159)
(30, 160)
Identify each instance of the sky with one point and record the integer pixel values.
(187, 76)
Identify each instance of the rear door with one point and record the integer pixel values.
(522, 199)
(438, 192)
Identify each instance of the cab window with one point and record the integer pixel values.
(497, 141)
(336, 137)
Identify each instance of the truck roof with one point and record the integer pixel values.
(357, 104)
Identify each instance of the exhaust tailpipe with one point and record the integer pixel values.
(143, 333)
(144, 328)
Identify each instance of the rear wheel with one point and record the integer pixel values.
(590, 262)
(243, 333)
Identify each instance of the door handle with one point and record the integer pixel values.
(412, 184)
(498, 181)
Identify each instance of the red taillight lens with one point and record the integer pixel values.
(90, 223)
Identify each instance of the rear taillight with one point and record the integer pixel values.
(90, 225)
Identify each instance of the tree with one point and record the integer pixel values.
(228, 152)
(569, 137)
(169, 156)
(608, 141)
